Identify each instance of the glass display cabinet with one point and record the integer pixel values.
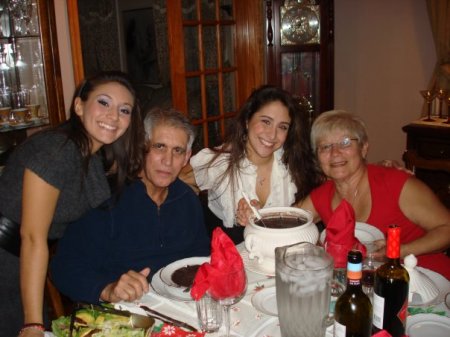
(30, 80)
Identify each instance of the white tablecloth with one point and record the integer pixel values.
(246, 320)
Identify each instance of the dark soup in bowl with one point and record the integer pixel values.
(281, 221)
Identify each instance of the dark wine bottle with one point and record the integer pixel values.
(390, 299)
(353, 310)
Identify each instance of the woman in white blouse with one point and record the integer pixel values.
(266, 154)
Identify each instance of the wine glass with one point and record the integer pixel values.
(441, 94)
(448, 109)
(429, 96)
(229, 290)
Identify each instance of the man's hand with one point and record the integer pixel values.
(130, 287)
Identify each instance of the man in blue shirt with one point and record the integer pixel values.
(112, 252)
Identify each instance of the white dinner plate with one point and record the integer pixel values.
(167, 271)
(428, 325)
(363, 232)
(265, 300)
(253, 264)
(441, 283)
(173, 293)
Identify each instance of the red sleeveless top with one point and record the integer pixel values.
(386, 185)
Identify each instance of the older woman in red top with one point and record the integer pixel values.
(380, 196)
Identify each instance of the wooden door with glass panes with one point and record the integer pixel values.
(299, 49)
(216, 51)
(216, 60)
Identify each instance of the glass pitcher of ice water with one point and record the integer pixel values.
(303, 276)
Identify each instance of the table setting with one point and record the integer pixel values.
(256, 314)
(231, 277)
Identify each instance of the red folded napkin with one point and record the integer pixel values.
(340, 235)
(214, 276)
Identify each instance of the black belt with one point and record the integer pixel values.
(9, 235)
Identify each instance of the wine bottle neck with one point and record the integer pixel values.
(393, 243)
(394, 261)
(354, 273)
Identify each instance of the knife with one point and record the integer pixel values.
(167, 319)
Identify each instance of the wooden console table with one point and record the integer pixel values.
(428, 155)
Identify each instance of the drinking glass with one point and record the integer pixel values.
(339, 280)
(209, 313)
(229, 291)
(2, 9)
(373, 259)
(20, 99)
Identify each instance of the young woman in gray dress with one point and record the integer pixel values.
(52, 179)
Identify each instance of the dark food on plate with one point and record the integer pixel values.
(184, 276)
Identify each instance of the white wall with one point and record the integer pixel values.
(384, 54)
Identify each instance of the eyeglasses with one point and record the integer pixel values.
(343, 144)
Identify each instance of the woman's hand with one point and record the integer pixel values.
(244, 212)
(130, 287)
(380, 248)
(187, 175)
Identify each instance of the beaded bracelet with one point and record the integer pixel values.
(37, 326)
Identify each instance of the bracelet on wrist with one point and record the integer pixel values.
(36, 326)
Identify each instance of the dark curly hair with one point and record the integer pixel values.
(297, 156)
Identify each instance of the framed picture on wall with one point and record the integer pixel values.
(140, 46)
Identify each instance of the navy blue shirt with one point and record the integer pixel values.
(135, 233)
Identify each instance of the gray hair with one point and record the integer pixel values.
(169, 117)
(338, 120)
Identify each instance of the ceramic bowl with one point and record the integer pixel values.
(280, 226)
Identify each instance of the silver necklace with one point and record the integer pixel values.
(261, 181)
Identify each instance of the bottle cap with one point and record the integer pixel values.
(393, 242)
(354, 265)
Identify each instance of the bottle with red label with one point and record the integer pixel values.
(390, 299)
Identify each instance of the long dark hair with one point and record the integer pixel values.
(123, 158)
(298, 156)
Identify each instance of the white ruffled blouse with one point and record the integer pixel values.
(222, 201)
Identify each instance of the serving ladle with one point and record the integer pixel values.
(254, 210)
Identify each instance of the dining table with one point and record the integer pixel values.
(255, 315)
